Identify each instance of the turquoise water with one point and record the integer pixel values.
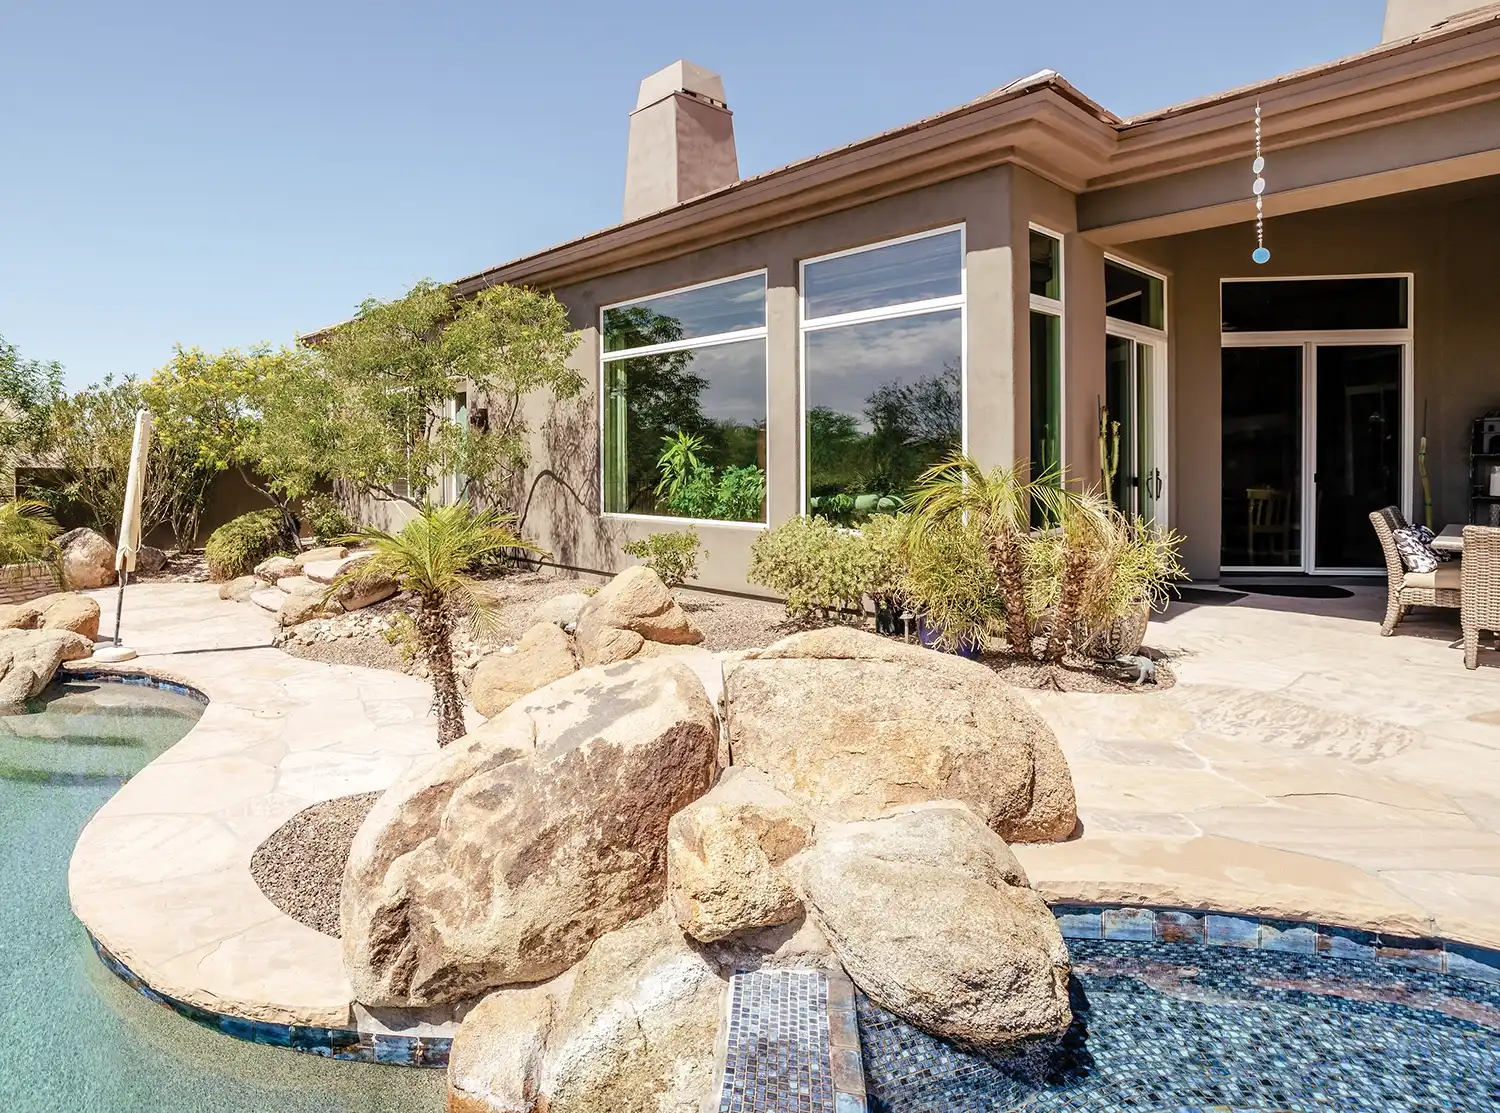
(73, 1036)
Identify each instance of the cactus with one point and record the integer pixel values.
(1109, 451)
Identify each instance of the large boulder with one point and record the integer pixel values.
(149, 560)
(321, 554)
(725, 858)
(272, 569)
(240, 588)
(28, 660)
(88, 560)
(62, 610)
(631, 1030)
(501, 859)
(931, 916)
(854, 725)
(544, 654)
(631, 610)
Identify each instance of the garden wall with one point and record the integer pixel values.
(21, 583)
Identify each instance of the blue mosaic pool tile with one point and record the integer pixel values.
(1419, 954)
(777, 1053)
(1137, 924)
(1288, 937)
(1180, 927)
(1472, 962)
(1340, 942)
(1232, 931)
(1080, 923)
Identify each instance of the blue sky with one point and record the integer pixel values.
(218, 174)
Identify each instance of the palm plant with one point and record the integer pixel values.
(26, 532)
(432, 557)
(997, 505)
(1080, 541)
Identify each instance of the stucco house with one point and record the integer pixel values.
(997, 275)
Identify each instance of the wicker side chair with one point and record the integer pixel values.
(1440, 588)
(1481, 605)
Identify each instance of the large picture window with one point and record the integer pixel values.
(684, 395)
(882, 359)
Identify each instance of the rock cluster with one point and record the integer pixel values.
(301, 588)
(595, 861)
(633, 616)
(62, 610)
(29, 658)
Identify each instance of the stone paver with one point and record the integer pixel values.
(161, 875)
(1303, 767)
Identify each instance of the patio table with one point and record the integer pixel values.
(1451, 540)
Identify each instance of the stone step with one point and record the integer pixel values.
(269, 598)
(326, 571)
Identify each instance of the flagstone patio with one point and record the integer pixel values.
(1302, 767)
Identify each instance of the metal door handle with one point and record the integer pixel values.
(1158, 482)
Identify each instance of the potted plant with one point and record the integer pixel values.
(1136, 564)
(949, 582)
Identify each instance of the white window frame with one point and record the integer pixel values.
(1052, 307)
(1309, 341)
(1157, 340)
(806, 325)
(711, 341)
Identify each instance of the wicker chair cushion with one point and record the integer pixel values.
(1443, 577)
(1416, 554)
(1427, 537)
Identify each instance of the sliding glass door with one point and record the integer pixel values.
(1312, 443)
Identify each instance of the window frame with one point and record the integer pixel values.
(1159, 340)
(1051, 307)
(760, 332)
(806, 325)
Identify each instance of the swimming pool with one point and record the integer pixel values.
(1177, 1028)
(75, 1036)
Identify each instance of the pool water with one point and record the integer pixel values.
(77, 1038)
(1169, 1028)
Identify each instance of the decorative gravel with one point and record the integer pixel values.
(300, 868)
(1074, 674)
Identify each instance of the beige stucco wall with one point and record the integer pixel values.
(560, 502)
(1447, 240)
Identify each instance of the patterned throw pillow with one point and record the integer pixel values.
(1427, 537)
(1416, 554)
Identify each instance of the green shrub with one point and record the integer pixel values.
(26, 531)
(672, 556)
(236, 547)
(948, 580)
(325, 517)
(693, 489)
(824, 570)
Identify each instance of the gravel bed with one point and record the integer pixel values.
(300, 868)
(1074, 674)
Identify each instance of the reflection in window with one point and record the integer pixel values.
(900, 273)
(884, 393)
(685, 428)
(1046, 394)
(1134, 296)
(1046, 266)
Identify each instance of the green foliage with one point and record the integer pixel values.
(692, 489)
(382, 382)
(28, 391)
(948, 580)
(672, 556)
(26, 532)
(1134, 567)
(824, 571)
(93, 433)
(325, 517)
(236, 547)
(434, 556)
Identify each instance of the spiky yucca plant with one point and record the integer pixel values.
(997, 505)
(432, 557)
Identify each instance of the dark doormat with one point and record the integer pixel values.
(1204, 596)
(1299, 591)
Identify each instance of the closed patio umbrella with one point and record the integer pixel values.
(130, 522)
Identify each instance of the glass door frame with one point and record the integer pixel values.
(1156, 340)
(1310, 342)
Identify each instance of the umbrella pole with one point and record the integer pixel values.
(120, 603)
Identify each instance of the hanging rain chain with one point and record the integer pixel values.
(1262, 253)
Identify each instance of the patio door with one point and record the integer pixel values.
(1313, 437)
(1134, 398)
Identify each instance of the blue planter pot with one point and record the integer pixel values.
(930, 635)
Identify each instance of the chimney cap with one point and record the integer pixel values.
(680, 77)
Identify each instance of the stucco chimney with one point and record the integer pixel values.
(1404, 18)
(681, 140)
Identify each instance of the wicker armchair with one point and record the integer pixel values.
(1481, 605)
(1440, 588)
